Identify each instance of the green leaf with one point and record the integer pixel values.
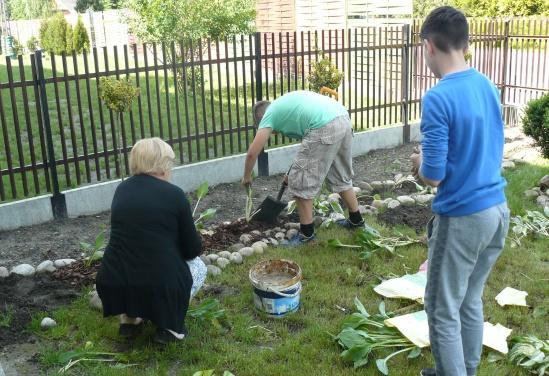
(227, 373)
(85, 246)
(377, 197)
(494, 357)
(382, 310)
(356, 353)
(202, 190)
(335, 243)
(349, 338)
(414, 353)
(360, 307)
(100, 241)
(208, 372)
(365, 255)
(336, 207)
(382, 366)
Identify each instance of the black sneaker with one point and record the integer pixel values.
(428, 372)
(130, 330)
(164, 337)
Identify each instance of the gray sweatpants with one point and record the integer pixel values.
(462, 252)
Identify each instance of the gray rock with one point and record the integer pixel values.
(530, 193)
(47, 323)
(258, 249)
(365, 186)
(389, 184)
(318, 220)
(370, 210)
(377, 186)
(4, 272)
(236, 258)
(424, 199)
(280, 236)
(544, 182)
(205, 260)
(273, 241)
(406, 200)
(291, 233)
(212, 257)
(45, 267)
(393, 204)
(213, 270)
(357, 190)
(236, 247)
(256, 233)
(277, 229)
(25, 270)
(246, 239)
(537, 189)
(398, 177)
(95, 301)
(508, 164)
(222, 262)
(362, 209)
(292, 225)
(268, 233)
(379, 204)
(63, 262)
(224, 254)
(543, 201)
(334, 197)
(261, 244)
(246, 251)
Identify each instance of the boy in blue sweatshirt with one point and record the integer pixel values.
(461, 154)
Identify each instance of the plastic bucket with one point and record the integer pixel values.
(277, 286)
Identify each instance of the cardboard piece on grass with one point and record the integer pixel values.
(414, 327)
(511, 296)
(409, 286)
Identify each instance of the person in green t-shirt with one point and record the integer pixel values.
(324, 127)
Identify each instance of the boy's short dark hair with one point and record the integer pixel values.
(258, 110)
(447, 28)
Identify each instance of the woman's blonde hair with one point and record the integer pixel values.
(151, 156)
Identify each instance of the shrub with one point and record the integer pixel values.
(118, 95)
(53, 34)
(81, 41)
(324, 73)
(69, 39)
(32, 44)
(17, 48)
(536, 122)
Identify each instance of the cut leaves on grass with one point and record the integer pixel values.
(209, 311)
(532, 223)
(364, 335)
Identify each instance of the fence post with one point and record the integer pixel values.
(263, 158)
(58, 203)
(504, 62)
(406, 46)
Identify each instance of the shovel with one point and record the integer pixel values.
(270, 208)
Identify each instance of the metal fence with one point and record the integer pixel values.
(56, 133)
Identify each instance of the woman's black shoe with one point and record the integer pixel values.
(163, 337)
(130, 330)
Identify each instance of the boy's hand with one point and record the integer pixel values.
(246, 181)
(416, 159)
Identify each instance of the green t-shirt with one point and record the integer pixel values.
(294, 113)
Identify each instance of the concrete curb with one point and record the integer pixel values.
(97, 198)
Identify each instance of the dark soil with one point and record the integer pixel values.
(415, 217)
(78, 274)
(21, 297)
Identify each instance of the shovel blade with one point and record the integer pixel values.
(269, 210)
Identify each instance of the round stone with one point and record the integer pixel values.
(406, 200)
(246, 251)
(61, 263)
(365, 186)
(377, 186)
(246, 239)
(4, 273)
(291, 233)
(280, 236)
(205, 260)
(95, 301)
(273, 241)
(213, 270)
(508, 164)
(334, 197)
(258, 249)
(292, 225)
(362, 209)
(398, 177)
(224, 254)
(424, 199)
(236, 258)
(378, 204)
(45, 267)
(236, 247)
(357, 190)
(222, 262)
(389, 184)
(277, 229)
(543, 201)
(393, 204)
(544, 182)
(318, 220)
(268, 233)
(25, 270)
(47, 323)
(261, 244)
(212, 257)
(530, 193)
(256, 233)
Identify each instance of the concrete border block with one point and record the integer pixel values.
(90, 199)
(27, 212)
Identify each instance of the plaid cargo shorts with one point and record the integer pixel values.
(325, 154)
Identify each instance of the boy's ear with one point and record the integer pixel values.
(429, 47)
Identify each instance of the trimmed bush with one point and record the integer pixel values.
(53, 34)
(81, 41)
(324, 73)
(32, 44)
(536, 122)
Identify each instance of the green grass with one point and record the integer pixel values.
(6, 316)
(301, 344)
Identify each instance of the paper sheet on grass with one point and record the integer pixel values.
(409, 286)
(511, 296)
(415, 328)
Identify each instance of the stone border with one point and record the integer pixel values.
(97, 198)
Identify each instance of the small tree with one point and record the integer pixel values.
(32, 44)
(53, 34)
(83, 5)
(81, 41)
(69, 38)
(118, 96)
(536, 122)
(324, 74)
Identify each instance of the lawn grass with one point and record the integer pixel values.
(302, 344)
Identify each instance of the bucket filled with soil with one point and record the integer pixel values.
(277, 287)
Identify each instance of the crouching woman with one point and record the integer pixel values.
(151, 266)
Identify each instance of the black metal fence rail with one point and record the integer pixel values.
(56, 133)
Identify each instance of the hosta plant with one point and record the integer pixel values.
(533, 223)
(207, 214)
